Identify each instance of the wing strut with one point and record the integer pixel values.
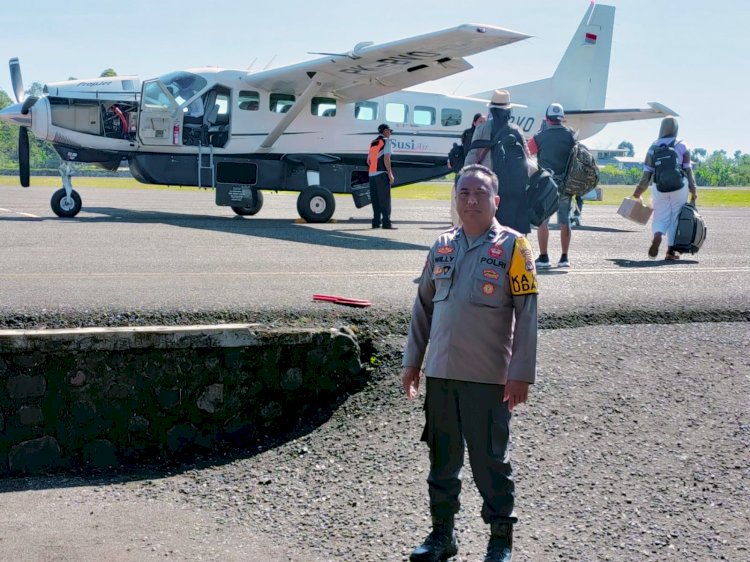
(312, 88)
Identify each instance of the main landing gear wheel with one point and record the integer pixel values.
(316, 204)
(64, 206)
(248, 211)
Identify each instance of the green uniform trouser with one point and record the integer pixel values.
(473, 413)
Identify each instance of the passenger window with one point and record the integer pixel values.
(323, 107)
(450, 117)
(396, 112)
(366, 110)
(248, 100)
(424, 115)
(280, 103)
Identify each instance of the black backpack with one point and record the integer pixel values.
(667, 169)
(509, 162)
(456, 157)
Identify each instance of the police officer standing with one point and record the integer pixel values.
(552, 145)
(477, 308)
(381, 177)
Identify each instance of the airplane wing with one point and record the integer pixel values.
(604, 116)
(368, 71)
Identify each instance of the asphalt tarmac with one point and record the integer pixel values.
(150, 250)
(151, 254)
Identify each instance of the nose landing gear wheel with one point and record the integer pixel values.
(64, 206)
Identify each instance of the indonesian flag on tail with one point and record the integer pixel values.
(590, 38)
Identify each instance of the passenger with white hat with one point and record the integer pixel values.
(513, 210)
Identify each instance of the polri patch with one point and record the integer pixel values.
(445, 250)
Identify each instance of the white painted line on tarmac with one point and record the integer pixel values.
(654, 270)
(410, 273)
(19, 213)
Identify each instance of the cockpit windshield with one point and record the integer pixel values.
(183, 85)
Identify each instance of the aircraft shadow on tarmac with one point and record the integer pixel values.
(277, 229)
(649, 263)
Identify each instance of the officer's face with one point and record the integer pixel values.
(476, 202)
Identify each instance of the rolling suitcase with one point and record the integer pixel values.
(691, 230)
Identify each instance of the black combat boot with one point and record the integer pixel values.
(439, 545)
(500, 547)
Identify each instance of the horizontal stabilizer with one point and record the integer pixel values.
(605, 116)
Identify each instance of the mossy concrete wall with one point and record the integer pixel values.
(107, 396)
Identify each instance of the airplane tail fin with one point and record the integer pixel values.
(580, 80)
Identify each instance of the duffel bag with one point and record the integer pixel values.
(542, 197)
(691, 230)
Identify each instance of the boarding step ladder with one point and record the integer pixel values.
(210, 166)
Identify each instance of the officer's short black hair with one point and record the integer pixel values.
(479, 170)
(383, 127)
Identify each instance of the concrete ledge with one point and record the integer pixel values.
(106, 396)
(157, 337)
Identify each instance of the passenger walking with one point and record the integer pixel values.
(381, 177)
(500, 145)
(668, 164)
(476, 307)
(552, 145)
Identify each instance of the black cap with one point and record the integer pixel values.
(382, 127)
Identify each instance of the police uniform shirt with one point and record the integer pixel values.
(477, 307)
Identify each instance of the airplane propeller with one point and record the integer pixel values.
(24, 164)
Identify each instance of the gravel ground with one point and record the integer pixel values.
(634, 446)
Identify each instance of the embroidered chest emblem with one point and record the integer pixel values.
(496, 251)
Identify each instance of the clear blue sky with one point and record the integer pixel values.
(694, 62)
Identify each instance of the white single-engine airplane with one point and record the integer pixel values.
(304, 127)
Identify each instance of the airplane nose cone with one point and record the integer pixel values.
(13, 114)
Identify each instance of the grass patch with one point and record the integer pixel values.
(613, 194)
(101, 182)
(434, 191)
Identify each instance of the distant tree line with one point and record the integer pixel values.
(715, 169)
